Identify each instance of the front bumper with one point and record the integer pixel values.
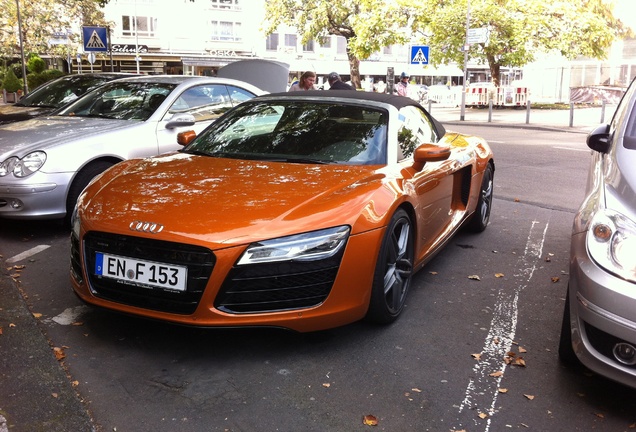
(602, 314)
(41, 196)
(205, 303)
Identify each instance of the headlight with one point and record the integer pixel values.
(29, 164)
(310, 246)
(611, 242)
(7, 166)
(23, 167)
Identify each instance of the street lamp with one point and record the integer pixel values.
(24, 74)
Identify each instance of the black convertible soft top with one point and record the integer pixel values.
(391, 99)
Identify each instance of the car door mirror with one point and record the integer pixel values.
(185, 138)
(179, 120)
(429, 153)
(598, 140)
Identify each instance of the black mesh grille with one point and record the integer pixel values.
(199, 261)
(278, 286)
(466, 181)
(76, 265)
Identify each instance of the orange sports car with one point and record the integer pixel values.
(303, 210)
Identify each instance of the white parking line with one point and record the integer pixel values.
(27, 254)
(573, 148)
(482, 390)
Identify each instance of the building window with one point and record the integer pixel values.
(326, 42)
(291, 40)
(225, 31)
(225, 4)
(309, 46)
(139, 26)
(271, 43)
(388, 50)
(342, 45)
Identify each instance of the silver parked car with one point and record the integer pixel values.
(46, 162)
(55, 94)
(599, 321)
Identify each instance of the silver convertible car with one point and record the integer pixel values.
(599, 321)
(46, 162)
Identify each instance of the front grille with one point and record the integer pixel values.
(278, 286)
(466, 183)
(76, 263)
(199, 261)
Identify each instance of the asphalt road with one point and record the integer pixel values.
(440, 367)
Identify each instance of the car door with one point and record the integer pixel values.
(433, 185)
(205, 102)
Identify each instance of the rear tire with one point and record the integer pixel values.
(479, 220)
(393, 271)
(81, 180)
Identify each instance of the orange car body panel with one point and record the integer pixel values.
(270, 199)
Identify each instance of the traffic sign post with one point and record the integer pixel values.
(95, 39)
(419, 54)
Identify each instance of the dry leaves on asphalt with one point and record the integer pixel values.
(529, 397)
(370, 420)
(474, 277)
(59, 353)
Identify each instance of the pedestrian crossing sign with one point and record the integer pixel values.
(95, 39)
(419, 54)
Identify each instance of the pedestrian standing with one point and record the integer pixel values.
(306, 82)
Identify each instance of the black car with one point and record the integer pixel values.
(54, 94)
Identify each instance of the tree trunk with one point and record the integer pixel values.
(494, 69)
(354, 68)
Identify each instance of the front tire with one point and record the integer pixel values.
(479, 220)
(393, 271)
(81, 180)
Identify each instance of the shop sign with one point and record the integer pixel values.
(129, 49)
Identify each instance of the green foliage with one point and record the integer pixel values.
(36, 64)
(37, 79)
(367, 25)
(519, 30)
(11, 83)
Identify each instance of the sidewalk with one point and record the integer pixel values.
(583, 120)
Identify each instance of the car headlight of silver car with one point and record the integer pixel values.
(22, 167)
(611, 242)
(309, 246)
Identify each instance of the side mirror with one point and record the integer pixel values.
(185, 138)
(179, 120)
(599, 139)
(429, 153)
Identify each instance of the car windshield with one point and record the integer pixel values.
(298, 131)
(60, 92)
(121, 100)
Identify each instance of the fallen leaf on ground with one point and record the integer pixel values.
(599, 415)
(370, 420)
(59, 353)
(519, 361)
(474, 277)
(37, 315)
(503, 390)
(499, 275)
(326, 385)
(496, 374)
(11, 325)
(554, 279)
(75, 383)
(19, 267)
(529, 397)
(416, 390)
(433, 272)
(54, 395)
(516, 199)
(483, 415)
(476, 356)
(522, 350)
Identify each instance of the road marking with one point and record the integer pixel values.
(482, 390)
(70, 315)
(573, 149)
(27, 254)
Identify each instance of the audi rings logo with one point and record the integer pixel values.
(147, 227)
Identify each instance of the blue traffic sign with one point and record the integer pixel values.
(95, 38)
(419, 54)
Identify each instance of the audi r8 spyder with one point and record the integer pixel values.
(303, 210)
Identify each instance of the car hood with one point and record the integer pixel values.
(44, 132)
(13, 113)
(224, 202)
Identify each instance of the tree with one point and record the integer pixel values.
(519, 30)
(41, 19)
(367, 25)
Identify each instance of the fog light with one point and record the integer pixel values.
(625, 353)
(16, 204)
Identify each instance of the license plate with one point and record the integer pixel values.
(140, 272)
